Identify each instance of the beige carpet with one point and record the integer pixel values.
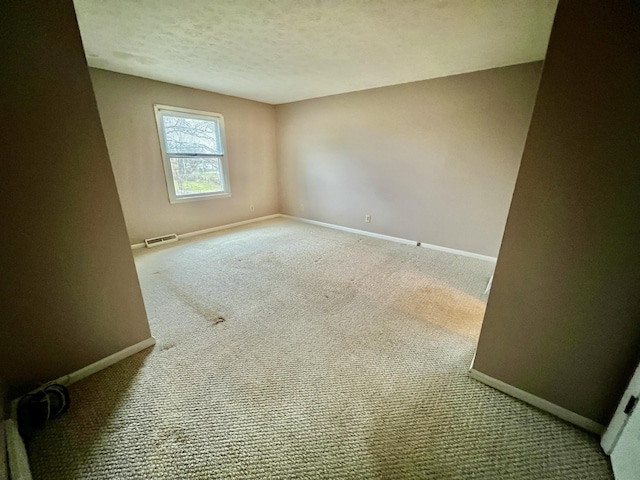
(287, 350)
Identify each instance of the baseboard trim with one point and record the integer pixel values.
(17, 453)
(462, 253)
(105, 362)
(230, 225)
(84, 372)
(351, 230)
(390, 238)
(136, 246)
(394, 239)
(541, 403)
(4, 468)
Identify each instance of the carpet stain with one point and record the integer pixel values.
(445, 306)
(369, 383)
(202, 310)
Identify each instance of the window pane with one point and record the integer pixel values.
(191, 135)
(196, 175)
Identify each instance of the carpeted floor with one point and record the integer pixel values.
(287, 350)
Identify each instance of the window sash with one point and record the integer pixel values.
(174, 196)
(215, 119)
(189, 180)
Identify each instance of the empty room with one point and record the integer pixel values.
(320, 239)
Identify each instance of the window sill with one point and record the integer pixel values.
(194, 198)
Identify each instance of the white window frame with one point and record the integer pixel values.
(166, 160)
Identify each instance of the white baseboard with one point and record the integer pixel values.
(4, 468)
(405, 241)
(488, 287)
(352, 230)
(394, 239)
(462, 253)
(18, 459)
(101, 364)
(230, 225)
(136, 246)
(538, 402)
(105, 362)
(16, 452)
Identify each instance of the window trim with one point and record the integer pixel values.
(166, 158)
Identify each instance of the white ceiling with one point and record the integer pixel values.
(279, 51)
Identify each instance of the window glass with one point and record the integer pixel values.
(192, 147)
(191, 135)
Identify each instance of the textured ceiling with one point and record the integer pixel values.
(279, 51)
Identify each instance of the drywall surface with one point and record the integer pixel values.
(126, 109)
(432, 161)
(562, 320)
(69, 293)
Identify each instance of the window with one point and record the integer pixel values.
(192, 144)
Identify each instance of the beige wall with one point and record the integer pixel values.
(69, 293)
(126, 109)
(432, 161)
(563, 318)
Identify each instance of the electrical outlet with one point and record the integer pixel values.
(252, 208)
(302, 207)
(367, 218)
